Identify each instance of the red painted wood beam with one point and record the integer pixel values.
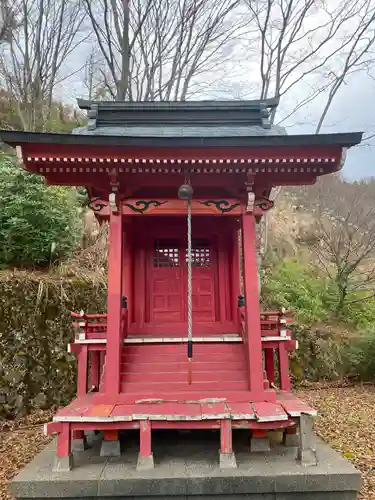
(192, 424)
(145, 438)
(114, 334)
(82, 370)
(252, 310)
(64, 441)
(94, 374)
(270, 365)
(283, 355)
(226, 436)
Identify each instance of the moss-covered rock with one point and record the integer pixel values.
(36, 370)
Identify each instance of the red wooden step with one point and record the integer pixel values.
(182, 348)
(154, 387)
(181, 357)
(178, 367)
(215, 377)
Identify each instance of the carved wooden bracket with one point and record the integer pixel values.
(134, 206)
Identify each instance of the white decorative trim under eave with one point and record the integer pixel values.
(174, 165)
(165, 161)
(141, 170)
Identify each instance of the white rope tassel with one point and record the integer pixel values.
(190, 291)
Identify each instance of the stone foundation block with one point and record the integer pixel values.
(228, 461)
(110, 448)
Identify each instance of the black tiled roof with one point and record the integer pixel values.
(179, 119)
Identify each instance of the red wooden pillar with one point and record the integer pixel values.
(64, 441)
(82, 370)
(270, 364)
(226, 436)
(114, 338)
(95, 369)
(252, 310)
(145, 449)
(127, 267)
(236, 275)
(283, 356)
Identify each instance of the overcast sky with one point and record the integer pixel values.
(351, 111)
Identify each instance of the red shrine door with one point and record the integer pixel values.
(161, 281)
(168, 281)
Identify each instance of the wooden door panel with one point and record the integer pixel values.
(165, 283)
(168, 282)
(203, 280)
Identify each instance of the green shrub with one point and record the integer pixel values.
(361, 355)
(322, 354)
(35, 328)
(360, 313)
(298, 286)
(38, 223)
(330, 348)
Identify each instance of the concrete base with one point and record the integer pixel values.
(260, 445)
(145, 463)
(188, 469)
(291, 440)
(63, 464)
(227, 461)
(110, 448)
(80, 444)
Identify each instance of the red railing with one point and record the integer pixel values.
(276, 339)
(275, 323)
(272, 323)
(94, 326)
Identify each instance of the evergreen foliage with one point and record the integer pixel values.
(38, 223)
(330, 348)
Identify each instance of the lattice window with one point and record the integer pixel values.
(201, 253)
(166, 253)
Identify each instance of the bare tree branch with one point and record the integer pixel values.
(9, 20)
(32, 63)
(343, 236)
(299, 41)
(171, 45)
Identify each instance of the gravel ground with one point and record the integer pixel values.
(346, 422)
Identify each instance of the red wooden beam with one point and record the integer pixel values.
(226, 436)
(82, 370)
(114, 321)
(145, 438)
(252, 310)
(94, 369)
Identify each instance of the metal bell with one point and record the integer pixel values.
(185, 192)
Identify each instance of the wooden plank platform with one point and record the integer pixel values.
(85, 409)
(294, 406)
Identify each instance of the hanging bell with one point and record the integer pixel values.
(185, 192)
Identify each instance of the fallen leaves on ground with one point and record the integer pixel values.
(20, 441)
(345, 421)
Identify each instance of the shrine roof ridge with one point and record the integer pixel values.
(181, 105)
(125, 114)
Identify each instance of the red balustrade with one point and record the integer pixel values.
(94, 326)
(276, 339)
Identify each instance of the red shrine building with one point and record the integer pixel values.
(183, 343)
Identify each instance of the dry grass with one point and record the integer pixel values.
(346, 422)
